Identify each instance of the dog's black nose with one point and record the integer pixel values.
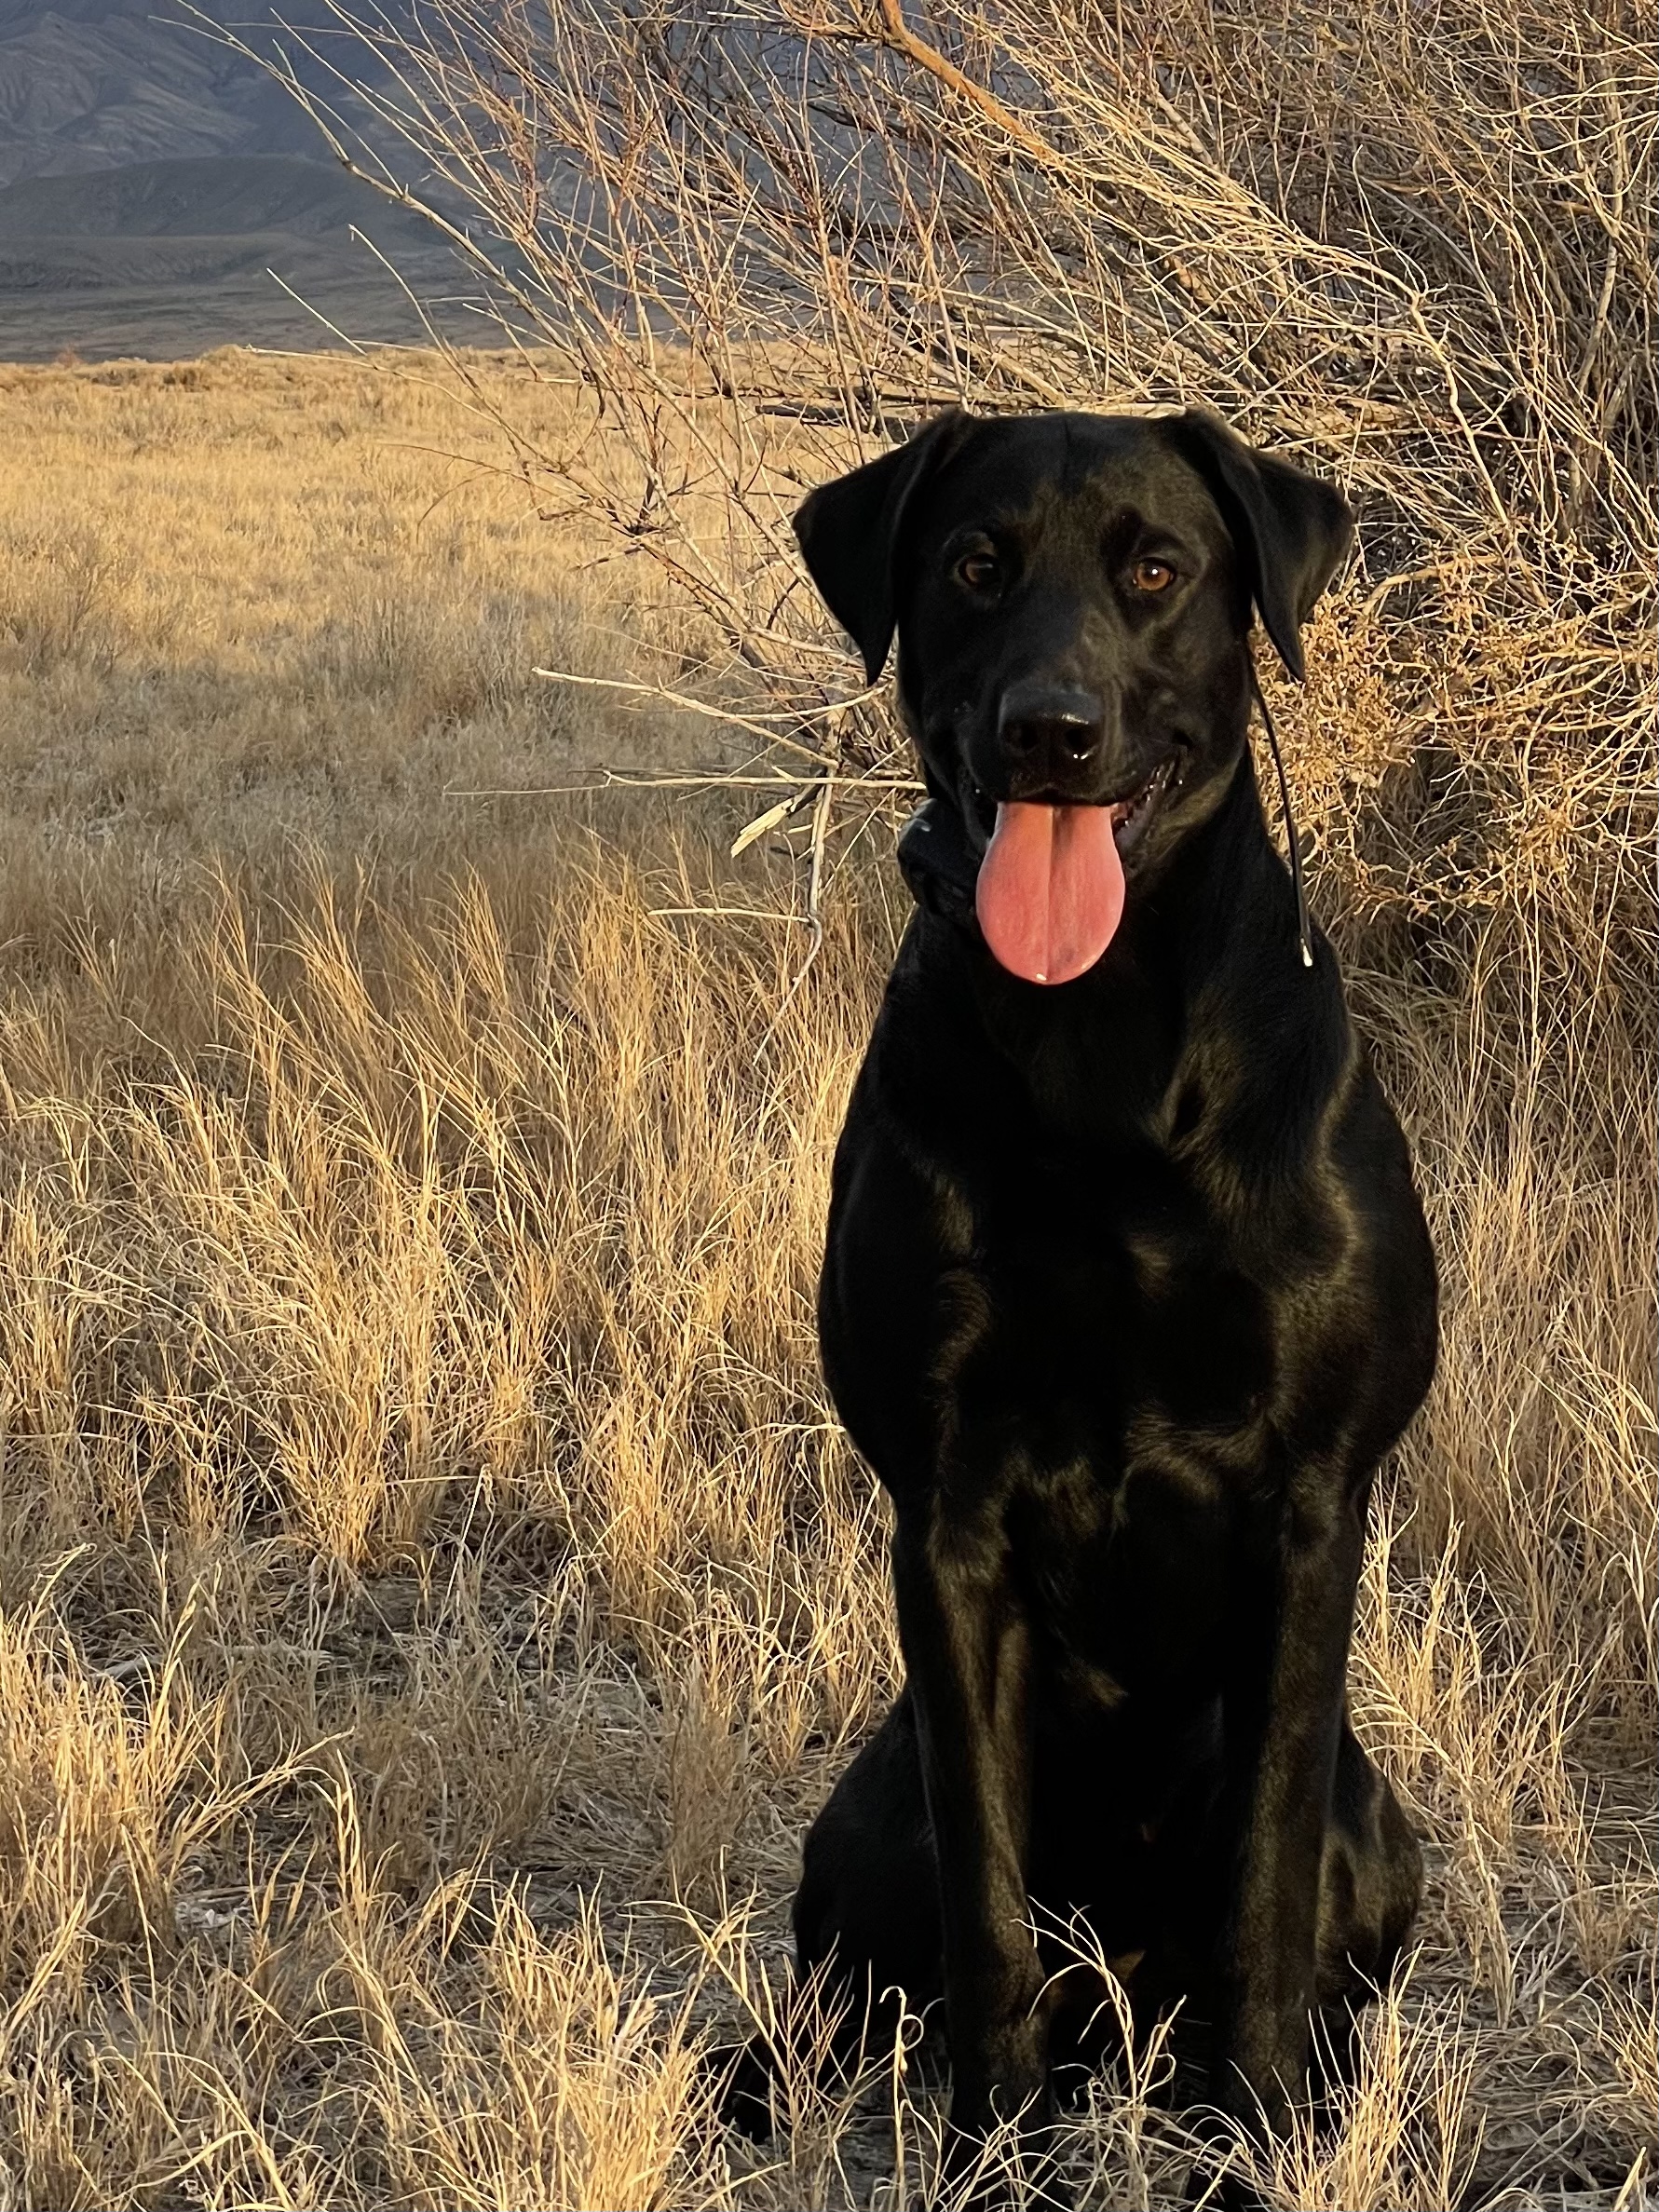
(1049, 732)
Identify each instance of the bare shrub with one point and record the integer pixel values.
(768, 236)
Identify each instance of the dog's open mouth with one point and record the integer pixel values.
(1050, 893)
(1131, 816)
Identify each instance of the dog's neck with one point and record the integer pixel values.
(938, 863)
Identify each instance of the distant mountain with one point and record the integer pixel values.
(93, 84)
(151, 181)
(203, 197)
(169, 258)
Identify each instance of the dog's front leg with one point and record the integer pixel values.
(1283, 1714)
(967, 1649)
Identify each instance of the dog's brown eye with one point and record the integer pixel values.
(978, 570)
(1153, 576)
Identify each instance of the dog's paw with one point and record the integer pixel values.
(1222, 2188)
(1234, 2193)
(741, 2075)
(1000, 2176)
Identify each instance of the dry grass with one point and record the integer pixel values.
(425, 1548)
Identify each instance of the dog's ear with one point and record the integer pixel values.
(1291, 531)
(848, 534)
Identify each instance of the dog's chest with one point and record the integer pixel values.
(1107, 1317)
(1115, 1392)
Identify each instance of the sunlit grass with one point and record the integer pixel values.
(434, 1593)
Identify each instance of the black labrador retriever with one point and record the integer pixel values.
(1127, 1290)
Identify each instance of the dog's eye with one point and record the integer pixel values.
(980, 571)
(1153, 576)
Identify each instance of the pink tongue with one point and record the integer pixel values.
(1051, 889)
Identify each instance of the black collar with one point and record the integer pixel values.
(938, 863)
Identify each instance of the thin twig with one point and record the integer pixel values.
(695, 706)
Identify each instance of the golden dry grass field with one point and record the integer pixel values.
(434, 1591)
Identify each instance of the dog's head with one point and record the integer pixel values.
(1072, 596)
